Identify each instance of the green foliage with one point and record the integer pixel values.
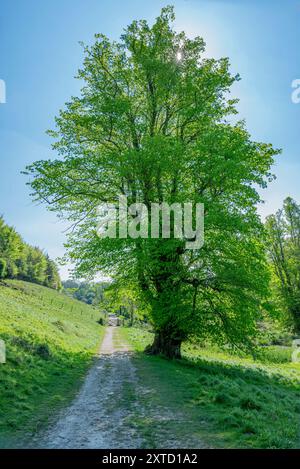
(50, 340)
(124, 302)
(24, 262)
(89, 292)
(155, 127)
(52, 279)
(273, 331)
(3, 268)
(283, 244)
(11, 247)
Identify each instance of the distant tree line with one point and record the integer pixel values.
(90, 293)
(19, 260)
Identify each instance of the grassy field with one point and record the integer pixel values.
(50, 341)
(223, 400)
(209, 398)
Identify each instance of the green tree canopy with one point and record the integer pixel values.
(152, 122)
(283, 246)
(22, 261)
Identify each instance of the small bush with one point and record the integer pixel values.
(43, 351)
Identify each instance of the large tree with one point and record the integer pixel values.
(152, 123)
(11, 249)
(283, 244)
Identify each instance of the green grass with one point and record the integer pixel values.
(50, 341)
(224, 400)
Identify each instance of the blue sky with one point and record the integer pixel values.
(40, 54)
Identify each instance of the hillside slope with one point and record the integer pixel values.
(50, 341)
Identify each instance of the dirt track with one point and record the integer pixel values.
(106, 409)
(97, 416)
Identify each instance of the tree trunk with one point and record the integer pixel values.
(166, 345)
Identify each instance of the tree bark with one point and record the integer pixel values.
(166, 345)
